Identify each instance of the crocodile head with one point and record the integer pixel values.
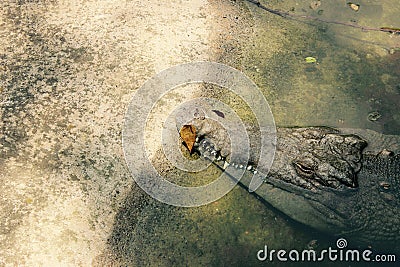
(327, 179)
(317, 158)
(313, 178)
(311, 158)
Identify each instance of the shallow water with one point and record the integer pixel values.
(68, 196)
(356, 73)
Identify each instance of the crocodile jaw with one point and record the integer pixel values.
(311, 158)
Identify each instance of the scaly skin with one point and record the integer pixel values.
(321, 178)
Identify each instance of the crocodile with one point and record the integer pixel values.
(333, 180)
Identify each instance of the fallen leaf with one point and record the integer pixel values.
(353, 6)
(374, 116)
(314, 5)
(219, 113)
(188, 135)
(311, 59)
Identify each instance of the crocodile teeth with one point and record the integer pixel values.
(226, 164)
(219, 158)
(241, 167)
(249, 168)
(214, 152)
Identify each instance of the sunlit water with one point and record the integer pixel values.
(355, 76)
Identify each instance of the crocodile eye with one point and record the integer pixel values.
(303, 169)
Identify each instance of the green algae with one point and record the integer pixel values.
(337, 91)
(355, 75)
(350, 80)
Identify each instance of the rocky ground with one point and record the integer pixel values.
(68, 70)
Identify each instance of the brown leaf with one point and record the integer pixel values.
(188, 135)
